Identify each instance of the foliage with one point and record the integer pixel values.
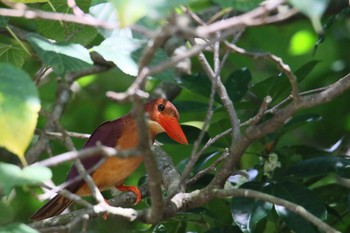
(19, 109)
(72, 65)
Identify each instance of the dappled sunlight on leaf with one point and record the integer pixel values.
(63, 57)
(19, 107)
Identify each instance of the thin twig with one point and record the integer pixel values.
(205, 171)
(63, 93)
(277, 106)
(75, 8)
(195, 155)
(21, 10)
(64, 185)
(86, 152)
(262, 111)
(255, 17)
(222, 92)
(70, 134)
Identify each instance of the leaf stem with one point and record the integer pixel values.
(54, 10)
(18, 40)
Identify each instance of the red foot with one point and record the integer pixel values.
(105, 215)
(133, 189)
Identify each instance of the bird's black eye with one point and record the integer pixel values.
(161, 107)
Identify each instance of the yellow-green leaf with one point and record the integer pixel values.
(12, 54)
(19, 107)
(29, 1)
(130, 11)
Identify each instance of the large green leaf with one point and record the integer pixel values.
(205, 160)
(3, 21)
(63, 31)
(6, 213)
(237, 84)
(106, 12)
(239, 5)
(12, 175)
(12, 54)
(302, 72)
(278, 87)
(191, 133)
(299, 120)
(118, 49)
(313, 9)
(129, 12)
(17, 228)
(19, 107)
(30, 1)
(62, 57)
(197, 83)
(321, 166)
(300, 195)
(159, 57)
(125, 51)
(248, 212)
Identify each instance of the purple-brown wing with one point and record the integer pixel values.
(107, 134)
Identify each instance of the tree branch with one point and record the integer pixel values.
(254, 17)
(301, 211)
(278, 119)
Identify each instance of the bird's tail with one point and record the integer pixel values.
(54, 207)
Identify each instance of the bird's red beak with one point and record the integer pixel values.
(172, 128)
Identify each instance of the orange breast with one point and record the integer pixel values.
(115, 170)
(112, 173)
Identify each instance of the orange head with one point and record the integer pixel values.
(164, 117)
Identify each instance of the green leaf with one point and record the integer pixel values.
(313, 9)
(305, 70)
(248, 212)
(237, 84)
(321, 166)
(204, 160)
(12, 54)
(191, 107)
(62, 31)
(29, 1)
(63, 57)
(3, 21)
(191, 82)
(6, 213)
(106, 12)
(190, 132)
(278, 87)
(159, 57)
(129, 12)
(239, 5)
(300, 195)
(19, 107)
(12, 176)
(118, 49)
(299, 120)
(219, 127)
(17, 228)
(160, 228)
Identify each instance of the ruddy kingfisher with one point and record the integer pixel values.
(121, 134)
